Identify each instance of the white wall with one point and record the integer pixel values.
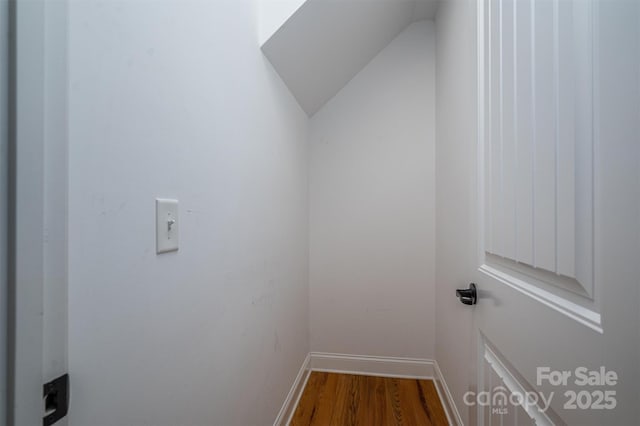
(455, 194)
(372, 206)
(173, 98)
(272, 14)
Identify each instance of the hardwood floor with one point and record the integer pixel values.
(331, 399)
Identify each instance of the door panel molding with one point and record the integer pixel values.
(536, 151)
(576, 312)
(501, 382)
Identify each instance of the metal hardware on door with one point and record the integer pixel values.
(56, 400)
(468, 296)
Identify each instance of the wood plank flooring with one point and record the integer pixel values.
(331, 399)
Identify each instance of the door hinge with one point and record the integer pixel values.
(56, 400)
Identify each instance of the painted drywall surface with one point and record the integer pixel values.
(272, 14)
(372, 206)
(327, 42)
(174, 99)
(425, 9)
(456, 184)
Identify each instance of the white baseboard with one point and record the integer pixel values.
(291, 402)
(450, 408)
(412, 368)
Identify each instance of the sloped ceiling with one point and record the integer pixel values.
(325, 43)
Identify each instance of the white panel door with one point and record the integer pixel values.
(558, 213)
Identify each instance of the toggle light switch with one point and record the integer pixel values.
(167, 225)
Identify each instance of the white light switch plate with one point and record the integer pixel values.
(167, 225)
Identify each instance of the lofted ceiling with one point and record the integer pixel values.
(325, 43)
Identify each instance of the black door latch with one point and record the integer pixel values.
(468, 296)
(56, 400)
